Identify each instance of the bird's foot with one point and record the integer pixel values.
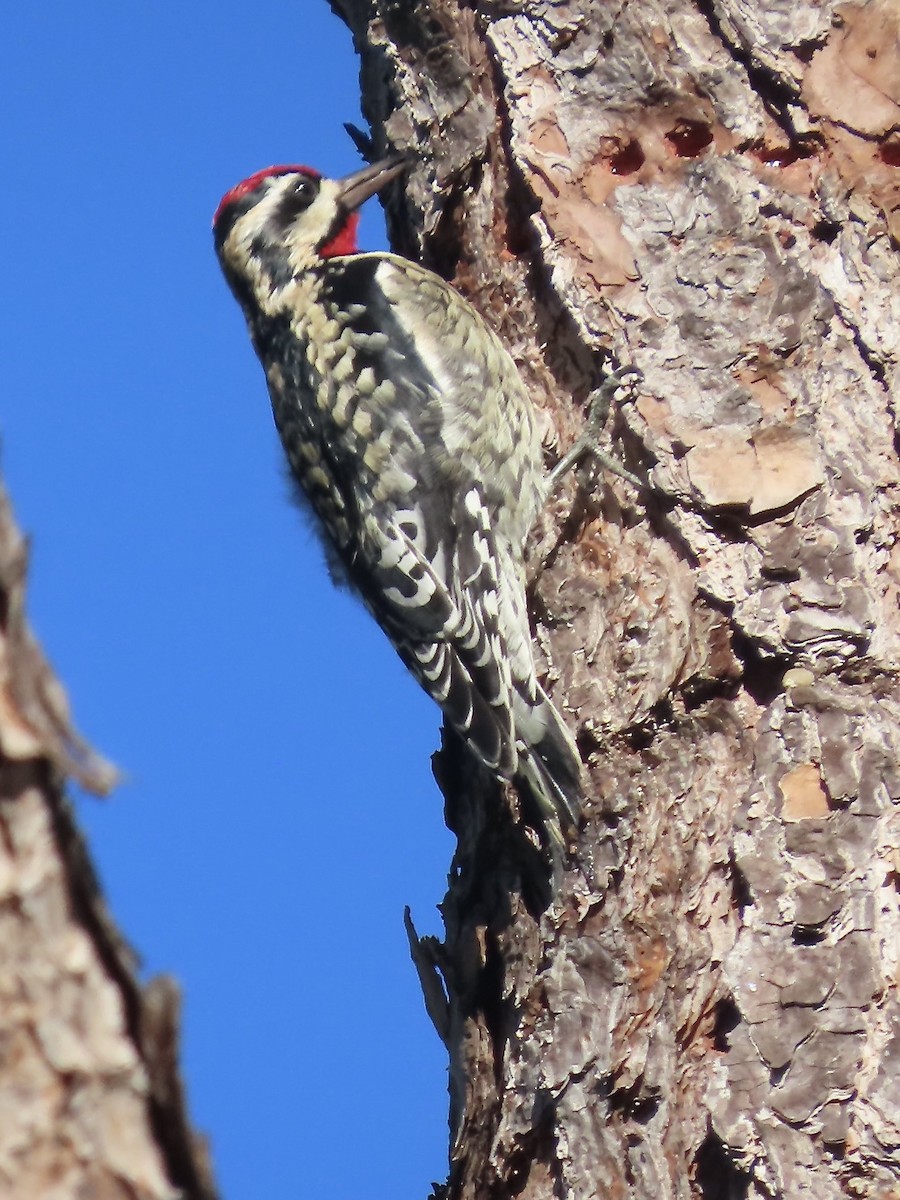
(600, 402)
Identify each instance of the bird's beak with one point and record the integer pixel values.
(358, 187)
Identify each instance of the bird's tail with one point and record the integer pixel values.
(550, 766)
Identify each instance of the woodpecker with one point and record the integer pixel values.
(409, 431)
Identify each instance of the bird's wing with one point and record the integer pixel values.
(449, 372)
(428, 539)
(440, 610)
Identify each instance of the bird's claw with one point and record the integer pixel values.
(600, 402)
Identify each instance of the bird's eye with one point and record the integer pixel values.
(296, 201)
(306, 190)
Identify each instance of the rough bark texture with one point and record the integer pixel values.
(90, 1097)
(709, 193)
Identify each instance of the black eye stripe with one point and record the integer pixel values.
(233, 213)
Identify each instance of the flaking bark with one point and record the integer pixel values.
(707, 193)
(91, 1102)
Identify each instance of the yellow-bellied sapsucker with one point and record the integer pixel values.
(408, 428)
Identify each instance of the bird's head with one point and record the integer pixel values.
(290, 217)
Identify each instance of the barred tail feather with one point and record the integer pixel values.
(550, 765)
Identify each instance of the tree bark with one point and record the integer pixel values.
(707, 193)
(91, 1101)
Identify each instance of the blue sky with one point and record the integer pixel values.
(278, 809)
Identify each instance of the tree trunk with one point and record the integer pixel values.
(708, 194)
(91, 1101)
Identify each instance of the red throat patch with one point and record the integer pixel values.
(345, 241)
